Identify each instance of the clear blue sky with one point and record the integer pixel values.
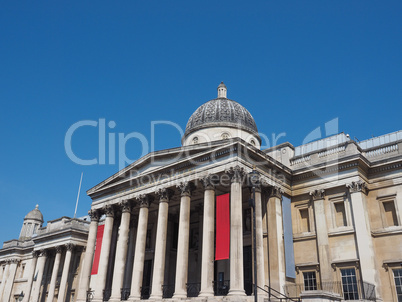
(293, 64)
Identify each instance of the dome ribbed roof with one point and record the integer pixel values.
(221, 112)
(35, 214)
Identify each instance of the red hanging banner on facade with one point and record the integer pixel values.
(99, 237)
(222, 227)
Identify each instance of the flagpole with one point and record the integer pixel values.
(78, 196)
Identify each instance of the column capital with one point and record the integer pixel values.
(14, 261)
(94, 215)
(357, 186)
(69, 246)
(145, 200)
(275, 191)
(164, 194)
(58, 249)
(43, 253)
(186, 188)
(236, 173)
(125, 206)
(35, 254)
(317, 194)
(109, 211)
(209, 181)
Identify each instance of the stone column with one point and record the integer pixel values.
(64, 274)
(275, 239)
(121, 251)
(160, 248)
(207, 261)
(88, 258)
(10, 280)
(38, 282)
(180, 290)
(259, 240)
(139, 254)
(324, 256)
(31, 276)
(104, 255)
(55, 270)
(4, 279)
(236, 233)
(358, 191)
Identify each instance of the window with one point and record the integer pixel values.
(349, 284)
(390, 213)
(304, 220)
(310, 281)
(398, 283)
(195, 140)
(340, 215)
(389, 210)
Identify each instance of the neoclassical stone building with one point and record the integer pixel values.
(178, 224)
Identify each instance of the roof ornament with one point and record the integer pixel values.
(37, 206)
(222, 91)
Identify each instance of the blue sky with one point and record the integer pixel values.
(294, 65)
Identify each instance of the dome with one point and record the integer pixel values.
(35, 214)
(221, 112)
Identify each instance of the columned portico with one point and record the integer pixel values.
(139, 255)
(207, 262)
(164, 195)
(40, 269)
(64, 276)
(183, 241)
(88, 258)
(236, 233)
(317, 197)
(55, 270)
(121, 251)
(358, 191)
(104, 256)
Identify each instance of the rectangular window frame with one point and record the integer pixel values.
(304, 207)
(384, 200)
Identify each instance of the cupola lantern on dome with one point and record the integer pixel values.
(222, 91)
(32, 221)
(219, 119)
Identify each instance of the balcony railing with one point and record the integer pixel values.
(365, 290)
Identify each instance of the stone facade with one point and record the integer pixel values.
(156, 222)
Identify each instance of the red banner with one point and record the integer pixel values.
(99, 237)
(222, 227)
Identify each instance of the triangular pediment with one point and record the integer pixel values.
(167, 164)
(155, 161)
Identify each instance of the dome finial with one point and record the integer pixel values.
(222, 90)
(37, 206)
